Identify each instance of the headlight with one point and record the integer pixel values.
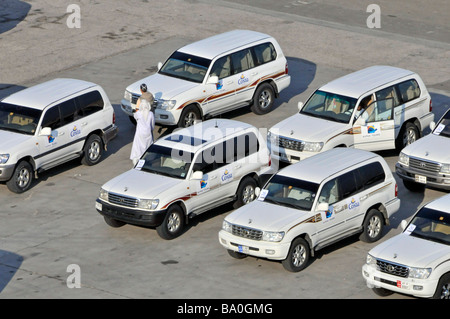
(445, 168)
(273, 236)
(370, 260)
(226, 226)
(148, 203)
(4, 158)
(166, 104)
(103, 194)
(419, 273)
(312, 146)
(127, 96)
(403, 159)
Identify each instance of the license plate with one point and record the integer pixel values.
(243, 249)
(98, 205)
(421, 179)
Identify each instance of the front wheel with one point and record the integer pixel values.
(21, 178)
(298, 256)
(408, 135)
(372, 226)
(189, 116)
(173, 223)
(443, 288)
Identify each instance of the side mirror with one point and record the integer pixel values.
(432, 125)
(46, 131)
(300, 106)
(197, 175)
(257, 191)
(213, 79)
(403, 224)
(323, 207)
(159, 66)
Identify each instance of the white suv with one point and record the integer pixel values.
(213, 76)
(49, 124)
(377, 108)
(417, 261)
(311, 204)
(427, 161)
(187, 173)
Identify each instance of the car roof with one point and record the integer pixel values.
(442, 204)
(46, 93)
(213, 46)
(319, 167)
(198, 136)
(360, 82)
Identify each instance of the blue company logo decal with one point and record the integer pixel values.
(242, 79)
(353, 204)
(226, 176)
(371, 129)
(203, 183)
(52, 137)
(219, 84)
(75, 131)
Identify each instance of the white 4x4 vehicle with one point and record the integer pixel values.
(311, 204)
(213, 76)
(187, 173)
(427, 160)
(49, 124)
(417, 261)
(377, 108)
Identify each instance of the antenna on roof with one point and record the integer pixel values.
(216, 125)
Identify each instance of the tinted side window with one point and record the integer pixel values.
(242, 61)
(90, 102)
(205, 162)
(69, 112)
(371, 174)
(245, 145)
(409, 90)
(347, 184)
(222, 67)
(264, 53)
(52, 118)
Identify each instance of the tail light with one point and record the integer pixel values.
(431, 105)
(270, 160)
(114, 118)
(396, 190)
(286, 69)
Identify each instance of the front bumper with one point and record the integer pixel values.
(262, 249)
(436, 180)
(424, 288)
(6, 171)
(129, 215)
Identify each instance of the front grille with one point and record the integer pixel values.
(122, 200)
(291, 144)
(422, 165)
(392, 269)
(246, 232)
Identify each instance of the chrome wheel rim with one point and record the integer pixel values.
(374, 227)
(23, 177)
(173, 223)
(265, 99)
(248, 194)
(94, 151)
(298, 255)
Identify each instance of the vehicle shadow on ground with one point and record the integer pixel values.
(12, 13)
(9, 264)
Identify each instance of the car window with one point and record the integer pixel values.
(52, 118)
(69, 112)
(17, 118)
(347, 184)
(371, 174)
(330, 192)
(409, 90)
(242, 61)
(264, 53)
(443, 127)
(90, 103)
(222, 67)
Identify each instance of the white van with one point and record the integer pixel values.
(185, 174)
(377, 108)
(311, 204)
(213, 76)
(52, 123)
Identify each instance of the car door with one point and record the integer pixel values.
(375, 127)
(245, 75)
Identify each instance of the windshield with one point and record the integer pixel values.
(185, 66)
(432, 225)
(19, 119)
(290, 192)
(443, 127)
(166, 161)
(330, 106)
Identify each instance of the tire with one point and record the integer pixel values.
(21, 179)
(382, 292)
(236, 254)
(246, 192)
(443, 288)
(263, 99)
(173, 223)
(298, 256)
(189, 116)
(414, 187)
(93, 150)
(408, 134)
(372, 226)
(113, 222)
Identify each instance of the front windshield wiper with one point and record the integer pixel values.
(282, 203)
(10, 129)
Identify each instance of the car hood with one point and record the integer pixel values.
(10, 140)
(140, 184)
(431, 147)
(162, 86)
(266, 216)
(411, 251)
(308, 128)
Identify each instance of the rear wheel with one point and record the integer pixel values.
(246, 192)
(372, 226)
(21, 179)
(408, 135)
(263, 99)
(93, 150)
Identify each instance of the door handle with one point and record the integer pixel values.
(254, 73)
(230, 82)
(84, 124)
(237, 166)
(213, 177)
(61, 133)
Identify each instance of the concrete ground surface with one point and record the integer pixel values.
(55, 224)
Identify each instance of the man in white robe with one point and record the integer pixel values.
(145, 123)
